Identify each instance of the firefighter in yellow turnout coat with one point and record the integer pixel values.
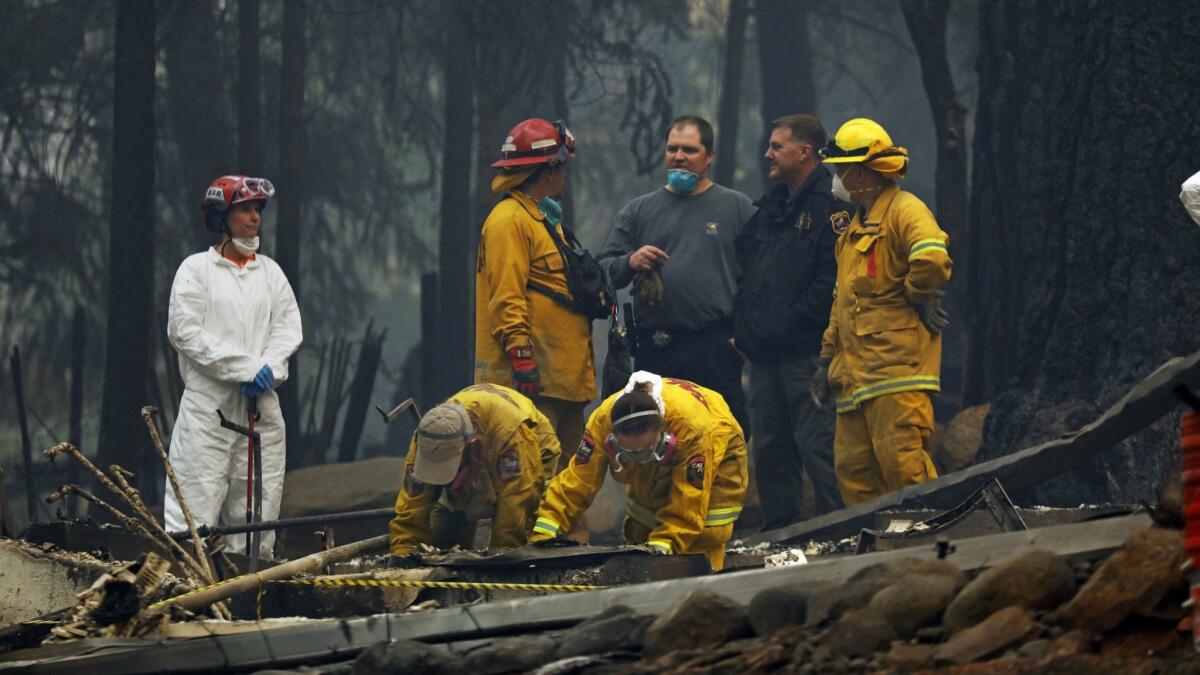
(524, 337)
(681, 456)
(485, 453)
(881, 353)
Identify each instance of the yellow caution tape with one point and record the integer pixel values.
(458, 585)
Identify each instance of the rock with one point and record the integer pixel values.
(991, 636)
(957, 444)
(906, 657)
(1133, 580)
(914, 602)
(406, 657)
(930, 634)
(516, 654)
(859, 633)
(858, 590)
(1071, 643)
(614, 629)
(774, 608)
(1168, 512)
(700, 618)
(1034, 580)
(349, 486)
(1034, 649)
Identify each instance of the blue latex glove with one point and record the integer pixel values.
(263, 382)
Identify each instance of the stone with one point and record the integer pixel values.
(1135, 579)
(858, 590)
(614, 629)
(1033, 580)
(993, 635)
(1168, 511)
(406, 657)
(700, 618)
(516, 654)
(858, 633)
(1034, 649)
(1071, 643)
(907, 657)
(348, 486)
(914, 602)
(955, 446)
(774, 608)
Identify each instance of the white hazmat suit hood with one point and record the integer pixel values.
(226, 321)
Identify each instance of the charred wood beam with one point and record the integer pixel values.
(1149, 400)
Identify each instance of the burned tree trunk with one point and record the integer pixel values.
(731, 80)
(455, 322)
(249, 98)
(195, 82)
(131, 239)
(784, 65)
(1083, 271)
(926, 21)
(289, 226)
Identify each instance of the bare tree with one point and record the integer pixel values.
(1082, 260)
(249, 98)
(731, 81)
(784, 64)
(131, 239)
(289, 227)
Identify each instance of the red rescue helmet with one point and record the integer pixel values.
(537, 141)
(228, 191)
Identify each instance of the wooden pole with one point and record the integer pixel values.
(306, 565)
(26, 448)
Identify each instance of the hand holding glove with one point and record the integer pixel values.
(932, 315)
(819, 389)
(263, 381)
(526, 378)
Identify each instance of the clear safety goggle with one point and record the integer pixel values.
(252, 188)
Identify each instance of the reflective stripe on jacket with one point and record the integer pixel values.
(895, 259)
(514, 249)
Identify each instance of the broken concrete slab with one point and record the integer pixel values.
(1145, 403)
(34, 581)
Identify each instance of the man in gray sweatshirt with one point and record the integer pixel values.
(676, 246)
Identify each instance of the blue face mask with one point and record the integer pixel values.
(551, 209)
(681, 181)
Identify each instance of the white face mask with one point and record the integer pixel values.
(839, 189)
(246, 246)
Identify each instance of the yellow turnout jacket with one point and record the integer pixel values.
(519, 456)
(894, 258)
(514, 249)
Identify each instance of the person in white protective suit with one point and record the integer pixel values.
(1189, 194)
(234, 321)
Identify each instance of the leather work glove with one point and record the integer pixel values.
(526, 378)
(263, 381)
(648, 288)
(822, 393)
(932, 315)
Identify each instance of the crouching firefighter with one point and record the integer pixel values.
(485, 453)
(681, 456)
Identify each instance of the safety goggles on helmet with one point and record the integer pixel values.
(832, 151)
(566, 144)
(249, 189)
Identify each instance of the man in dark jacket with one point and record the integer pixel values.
(785, 253)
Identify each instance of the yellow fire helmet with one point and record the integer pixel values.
(863, 141)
